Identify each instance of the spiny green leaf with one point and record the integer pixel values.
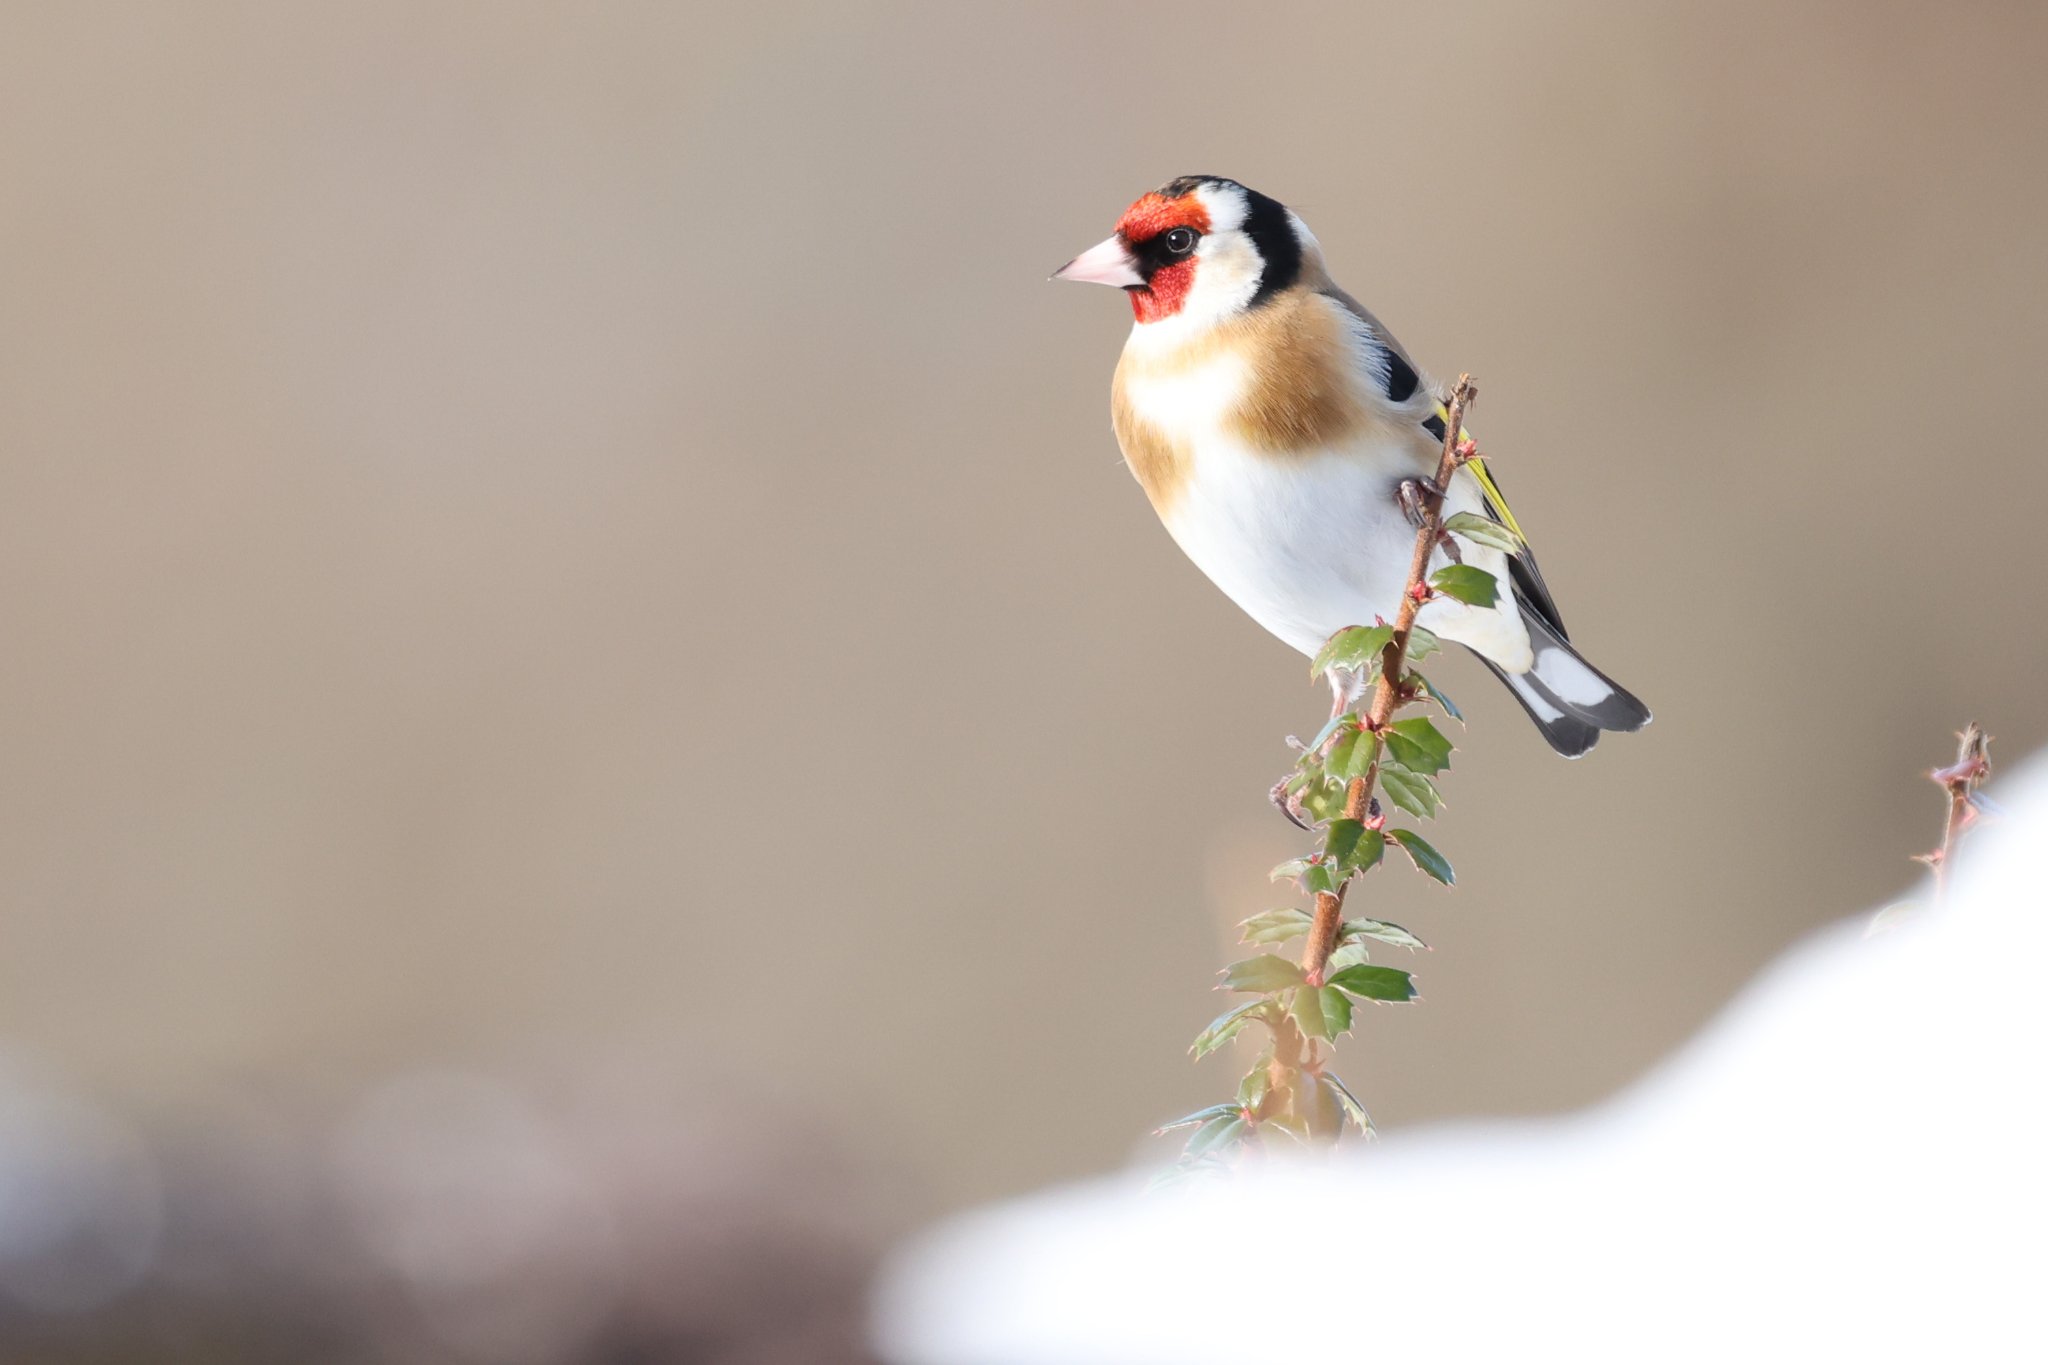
(1421, 644)
(1418, 745)
(1340, 841)
(1276, 926)
(1410, 791)
(1322, 1011)
(1252, 1089)
(1426, 858)
(1348, 1102)
(1450, 707)
(1360, 760)
(1350, 955)
(1483, 531)
(1343, 749)
(1226, 1026)
(1314, 747)
(1351, 649)
(1324, 801)
(1262, 974)
(1379, 929)
(1200, 1116)
(1370, 982)
(1288, 870)
(1350, 846)
(1324, 1112)
(1216, 1135)
(1468, 583)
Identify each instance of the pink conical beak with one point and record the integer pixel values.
(1104, 263)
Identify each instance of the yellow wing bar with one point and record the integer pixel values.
(1479, 472)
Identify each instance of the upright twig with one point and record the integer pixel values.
(1304, 1005)
(1960, 781)
(1358, 799)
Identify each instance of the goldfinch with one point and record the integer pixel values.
(1278, 430)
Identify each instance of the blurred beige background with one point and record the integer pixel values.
(542, 531)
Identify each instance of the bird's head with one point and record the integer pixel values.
(1200, 250)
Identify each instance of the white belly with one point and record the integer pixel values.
(1310, 545)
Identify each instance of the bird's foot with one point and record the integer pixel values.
(1289, 802)
(1416, 497)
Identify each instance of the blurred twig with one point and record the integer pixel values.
(1959, 781)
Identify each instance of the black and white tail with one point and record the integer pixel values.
(1570, 700)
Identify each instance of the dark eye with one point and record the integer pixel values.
(1181, 241)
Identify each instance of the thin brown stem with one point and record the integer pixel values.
(1329, 913)
(1960, 781)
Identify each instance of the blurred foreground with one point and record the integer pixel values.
(1844, 1166)
(443, 1217)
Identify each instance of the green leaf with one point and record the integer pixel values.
(1288, 871)
(1353, 648)
(1262, 974)
(1410, 791)
(1379, 929)
(1362, 755)
(1468, 583)
(1322, 1011)
(1215, 1135)
(1426, 858)
(1252, 1089)
(1483, 531)
(1315, 746)
(1224, 1027)
(1421, 644)
(1343, 750)
(1276, 926)
(1450, 707)
(1199, 1117)
(1347, 1102)
(1350, 955)
(1349, 846)
(1369, 982)
(1324, 1113)
(1324, 801)
(1418, 745)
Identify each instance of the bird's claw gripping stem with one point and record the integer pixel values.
(1288, 803)
(1415, 497)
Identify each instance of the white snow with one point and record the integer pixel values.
(1845, 1165)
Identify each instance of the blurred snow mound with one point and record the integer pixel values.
(1845, 1164)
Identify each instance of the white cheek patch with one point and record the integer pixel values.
(1227, 271)
(1569, 679)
